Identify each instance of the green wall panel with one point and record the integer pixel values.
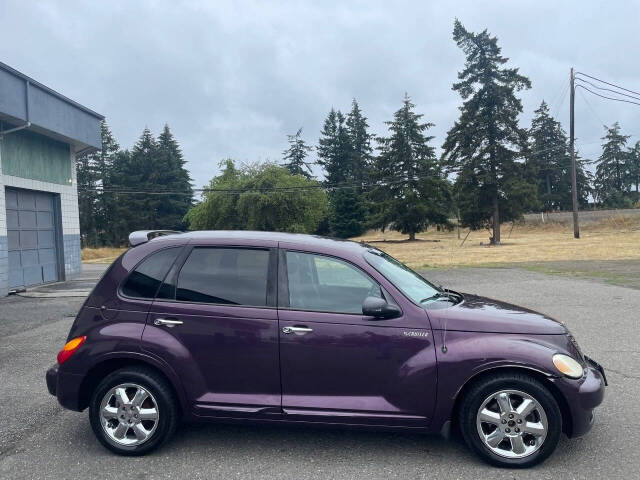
(29, 155)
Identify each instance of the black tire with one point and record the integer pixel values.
(482, 389)
(158, 387)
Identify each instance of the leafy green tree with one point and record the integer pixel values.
(485, 143)
(295, 156)
(411, 191)
(612, 181)
(259, 197)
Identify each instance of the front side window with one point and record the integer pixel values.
(148, 275)
(406, 280)
(233, 276)
(326, 284)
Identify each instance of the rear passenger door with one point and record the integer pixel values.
(214, 321)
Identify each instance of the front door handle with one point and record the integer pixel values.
(300, 330)
(167, 322)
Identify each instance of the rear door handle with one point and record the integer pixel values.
(300, 330)
(167, 322)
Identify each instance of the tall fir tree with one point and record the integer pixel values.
(152, 166)
(634, 169)
(336, 156)
(485, 143)
(95, 200)
(411, 191)
(612, 180)
(176, 178)
(550, 158)
(295, 157)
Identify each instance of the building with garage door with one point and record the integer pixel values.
(41, 132)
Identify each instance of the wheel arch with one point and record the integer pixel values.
(542, 377)
(115, 362)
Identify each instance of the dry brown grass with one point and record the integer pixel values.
(101, 255)
(614, 238)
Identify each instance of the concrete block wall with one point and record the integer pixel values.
(70, 221)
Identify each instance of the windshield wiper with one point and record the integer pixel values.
(443, 294)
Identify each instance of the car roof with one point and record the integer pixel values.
(299, 240)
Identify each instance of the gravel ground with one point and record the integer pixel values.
(38, 439)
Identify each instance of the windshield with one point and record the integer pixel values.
(406, 280)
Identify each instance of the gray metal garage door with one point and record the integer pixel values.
(31, 229)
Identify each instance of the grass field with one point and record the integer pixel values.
(614, 238)
(101, 255)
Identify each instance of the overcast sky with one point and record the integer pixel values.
(232, 79)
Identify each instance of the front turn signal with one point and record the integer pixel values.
(70, 348)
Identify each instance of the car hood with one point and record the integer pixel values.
(480, 314)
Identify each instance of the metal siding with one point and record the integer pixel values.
(31, 237)
(28, 155)
(52, 113)
(13, 95)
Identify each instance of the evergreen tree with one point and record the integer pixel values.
(550, 158)
(634, 168)
(484, 144)
(175, 178)
(87, 198)
(334, 149)
(295, 156)
(411, 191)
(151, 167)
(341, 162)
(359, 143)
(95, 201)
(612, 178)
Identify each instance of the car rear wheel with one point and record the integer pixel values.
(133, 411)
(511, 420)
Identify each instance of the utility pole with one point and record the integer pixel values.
(574, 182)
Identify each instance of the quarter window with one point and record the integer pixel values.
(147, 277)
(233, 276)
(326, 284)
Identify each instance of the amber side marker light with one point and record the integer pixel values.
(70, 348)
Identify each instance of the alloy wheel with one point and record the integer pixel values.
(512, 424)
(129, 414)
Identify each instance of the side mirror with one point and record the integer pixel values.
(379, 308)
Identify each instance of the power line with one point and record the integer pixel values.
(607, 89)
(609, 98)
(592, 109)
(607, 83)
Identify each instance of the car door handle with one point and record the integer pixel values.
(167, 322)
(301, 330)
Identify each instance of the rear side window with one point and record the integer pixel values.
(144, 281)
(233, 276)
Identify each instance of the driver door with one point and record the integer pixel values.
(338, 365)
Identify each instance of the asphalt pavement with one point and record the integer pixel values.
(38, 439)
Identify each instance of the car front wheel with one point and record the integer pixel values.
(511, 420)
(133, 411)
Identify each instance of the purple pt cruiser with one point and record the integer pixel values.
(275, 327)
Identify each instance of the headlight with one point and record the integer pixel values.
(567, 365)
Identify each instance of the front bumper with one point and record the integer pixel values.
(64, 386)
(583, 396)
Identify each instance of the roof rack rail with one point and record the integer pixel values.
(143, 236)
